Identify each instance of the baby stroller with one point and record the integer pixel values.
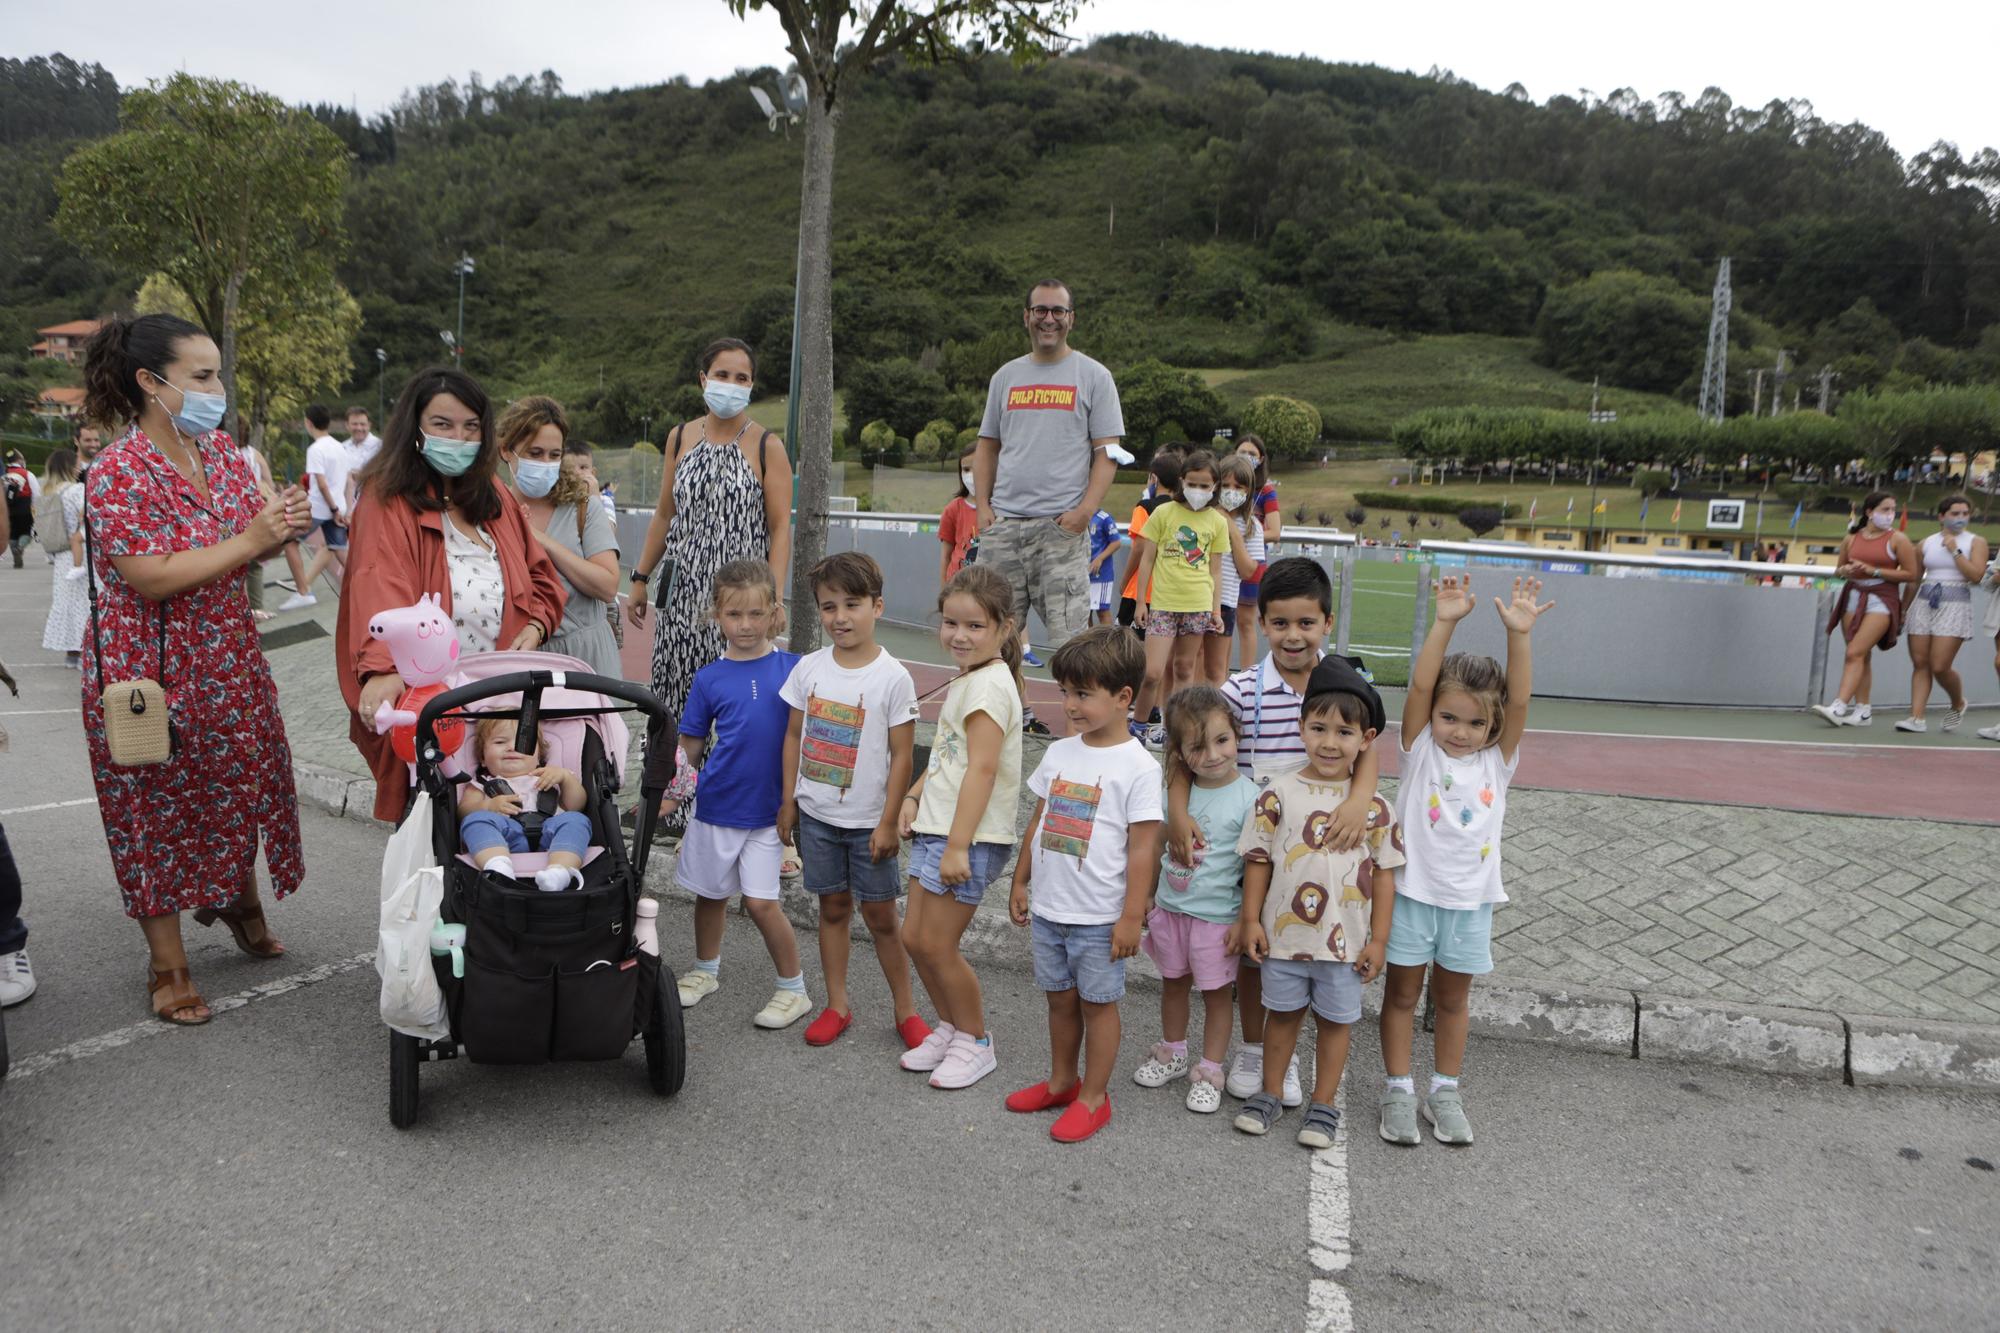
(547, 976)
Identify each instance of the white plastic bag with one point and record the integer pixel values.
(412, 889)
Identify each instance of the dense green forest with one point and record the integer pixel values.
(1261, 219)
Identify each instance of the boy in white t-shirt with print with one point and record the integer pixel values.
(846, 769)
(1090, 854)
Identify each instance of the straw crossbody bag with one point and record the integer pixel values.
(137, 730)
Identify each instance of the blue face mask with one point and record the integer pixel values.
(536, 479)
(200, 412)
(450, 457)
(725, 400)
(1956, 524)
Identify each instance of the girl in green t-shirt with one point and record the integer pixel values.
(1181, 550)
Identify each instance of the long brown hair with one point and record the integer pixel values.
(522, 421)
(995, 596)
(118, 351)
(399, 470)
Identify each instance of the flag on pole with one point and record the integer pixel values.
(1603, 507)
(1644, 501)
(1677, 511)
(1797, 510)
(1570, 510)
(1531, 508)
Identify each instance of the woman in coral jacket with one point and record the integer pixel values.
(434, 516)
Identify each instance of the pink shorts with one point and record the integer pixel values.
(1181, 944)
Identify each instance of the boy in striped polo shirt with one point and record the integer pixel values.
(1295, 609)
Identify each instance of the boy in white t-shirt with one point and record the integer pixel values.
(847, 767)
(1090, 853)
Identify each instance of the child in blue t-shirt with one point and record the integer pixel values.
(1106, 540)
(731, 845)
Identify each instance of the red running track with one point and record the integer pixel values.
(1959, 785)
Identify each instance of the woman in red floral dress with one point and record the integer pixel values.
(174, 516)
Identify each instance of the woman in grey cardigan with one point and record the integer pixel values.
(564, 515)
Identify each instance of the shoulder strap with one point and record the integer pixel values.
(763, 441)
(674, 446)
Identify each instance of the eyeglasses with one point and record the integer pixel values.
(1046, 311)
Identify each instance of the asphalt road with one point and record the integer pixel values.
(245, 1175)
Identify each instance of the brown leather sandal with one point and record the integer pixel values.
(179, 994)
(239, 921)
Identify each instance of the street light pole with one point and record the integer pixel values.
(462, 267)
(783, 107)
(381, 385)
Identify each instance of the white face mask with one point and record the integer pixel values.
(966, 478)
(1884, 521)
(1233, 499)
(1197, 497)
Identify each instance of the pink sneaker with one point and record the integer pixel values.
(929, 1053)
(968, 1061)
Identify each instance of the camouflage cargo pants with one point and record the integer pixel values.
(1048, 568)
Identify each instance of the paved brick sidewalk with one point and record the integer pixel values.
(1725, 903)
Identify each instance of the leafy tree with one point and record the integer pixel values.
(829, 56)
(1629, 327)
(944, 428)
(230, 193)
(1478, 521)
(1287, 425)
(1155, 396)
(1355, 516)
(878, 436)
(927, 443)
(897, 391)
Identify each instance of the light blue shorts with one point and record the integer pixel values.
(1333, 989)
(987, 860)
(1078, 958)
(1457, 939)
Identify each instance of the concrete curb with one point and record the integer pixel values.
(1811, 1043)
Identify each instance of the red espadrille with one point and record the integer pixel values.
(913, 1030)
(1039, 1098)
(1079, 1122)
(827, 1027)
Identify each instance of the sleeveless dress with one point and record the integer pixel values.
(718, 517)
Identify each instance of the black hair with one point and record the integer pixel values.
(853, 573)
(1166, 468)
(118, 351)
(1352, 709)
(399, 470)
(1944, 505)
(1868, 507)
(1068, 295)
(1295, 576)
(317, 414)
(1194, 460)
(721, 345)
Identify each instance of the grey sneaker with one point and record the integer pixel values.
(1445, 1109)
(1322, 1122)
(1952, 719)
(1259, 1113)
(1399, 1117)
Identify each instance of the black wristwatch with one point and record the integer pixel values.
(640, 576)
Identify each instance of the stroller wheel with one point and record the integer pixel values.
(666, 1039)
(404, 1057)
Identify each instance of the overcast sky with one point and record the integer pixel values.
(1929, 80)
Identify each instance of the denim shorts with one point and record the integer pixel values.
(1333, 989)
(1077, 958)
(335, 535)
(1457, 939)
(988, 860)
(836, 860)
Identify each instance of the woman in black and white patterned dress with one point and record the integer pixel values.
(726, 494)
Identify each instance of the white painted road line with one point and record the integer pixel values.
(50, 805)
(1329, 1219)
(153, 1027)
(40, 712)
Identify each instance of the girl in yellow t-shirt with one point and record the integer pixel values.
(1180, 555)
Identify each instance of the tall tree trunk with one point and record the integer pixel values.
(815, 450)
(231, 299)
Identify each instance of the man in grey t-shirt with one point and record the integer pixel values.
(1042, 466)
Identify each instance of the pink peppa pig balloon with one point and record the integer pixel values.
(421, 640)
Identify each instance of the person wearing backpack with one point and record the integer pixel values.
(59, 522)
(20, 504)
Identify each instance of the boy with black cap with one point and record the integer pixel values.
(1318, 919)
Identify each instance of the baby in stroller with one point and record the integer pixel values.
(517, 803)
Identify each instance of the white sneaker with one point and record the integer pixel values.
(1912, 724)
(966, 1061)
(928, 1054)
(696, 985)
(1204, 1093)
(1861, 716)
(1294, 1095)
(298, 601)
(1246, 1072)
(1991, 733)
(17, 979)
(1952, 719)
(1161, 1068)
(1835, 713)
(785, 1008)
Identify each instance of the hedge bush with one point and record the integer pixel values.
(1289, 427)
(1412, 502)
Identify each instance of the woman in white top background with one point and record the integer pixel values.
(1937, 614)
